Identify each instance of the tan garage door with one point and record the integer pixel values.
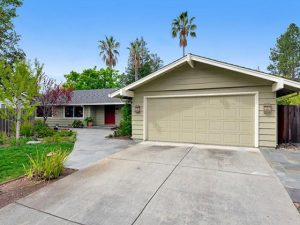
(219, 120)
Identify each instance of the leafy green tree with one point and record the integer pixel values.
(183, 27)
(109, 51)
(285, 56)
(9, 49)
(141, 62)
(93, 79)
(19, 89)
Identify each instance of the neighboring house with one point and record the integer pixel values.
(85, 103)
(201, 100)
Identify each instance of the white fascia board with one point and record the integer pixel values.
(126, 93)
(115, 94)
(90, 104)
(190, 61)
(277, 86)
(190, 58)
(157, 73)
(235, 68)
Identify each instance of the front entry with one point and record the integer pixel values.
(109, 117)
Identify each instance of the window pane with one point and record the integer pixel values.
(69, 111)
(78, 112)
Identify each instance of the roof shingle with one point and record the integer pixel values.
(95, 96)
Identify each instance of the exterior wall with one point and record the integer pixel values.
(208, 80)
(95, 111)
(58, 117)
(118, 114)
(99, 115)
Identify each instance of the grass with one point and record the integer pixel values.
(13, 158)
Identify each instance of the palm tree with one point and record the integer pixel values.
(136, 51)
(183, 26)
(109, 51)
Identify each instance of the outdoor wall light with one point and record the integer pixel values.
(267, 109)
(137, 109)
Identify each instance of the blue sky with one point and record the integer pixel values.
(64, 34)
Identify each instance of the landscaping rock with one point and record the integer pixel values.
(33, 142)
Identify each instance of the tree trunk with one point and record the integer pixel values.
(18, 124)
(136, 73)
(183, 51)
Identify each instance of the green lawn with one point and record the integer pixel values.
(12, 158)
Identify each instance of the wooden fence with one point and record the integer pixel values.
(288, 124)
(7, 125)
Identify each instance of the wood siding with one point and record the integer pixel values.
(96, 111)
(208, 80)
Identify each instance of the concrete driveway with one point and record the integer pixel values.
(91, 146)
(155, 183)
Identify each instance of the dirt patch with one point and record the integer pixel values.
(119, 137)
(289, 147)
(297, 204)
(19, 188)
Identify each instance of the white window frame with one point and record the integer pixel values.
(41, 116)
(64, 115)
(256, 109)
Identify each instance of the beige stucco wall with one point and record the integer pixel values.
(205, 79)
(95, 111)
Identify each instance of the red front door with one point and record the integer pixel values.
(109, 117)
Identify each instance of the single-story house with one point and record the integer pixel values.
(200, 100)
(84, 103)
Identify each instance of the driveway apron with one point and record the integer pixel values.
(161, 183)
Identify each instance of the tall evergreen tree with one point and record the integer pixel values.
(141, 62)
(285, 56)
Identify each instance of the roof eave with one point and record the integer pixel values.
(279, 82)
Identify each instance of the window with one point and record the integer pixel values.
(74, 112)
(40, 111)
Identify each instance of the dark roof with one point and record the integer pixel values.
(96, 96)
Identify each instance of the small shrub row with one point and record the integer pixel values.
(46, 166)
(77, 124)
(42, 130)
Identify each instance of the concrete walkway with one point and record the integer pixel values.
(155, 183)
(286, 165)
(91, 146)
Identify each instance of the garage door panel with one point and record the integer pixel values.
(202, 124)
(224, 120)
(231, 126)
(231, 113)
(230, 139)
(216, 125)
(246, 114)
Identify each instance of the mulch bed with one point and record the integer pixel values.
(297, 205)
(13, 190)
(289, 147)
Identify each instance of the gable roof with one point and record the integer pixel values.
(94, 97)
(279, 83)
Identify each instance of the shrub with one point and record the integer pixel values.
(4, 139)
(125, 125)
(46, 166)
(26, 129)
(55, 139)
(22, 141)
(89, 119)
(77, 124)
(65, 133)
(42, 130)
